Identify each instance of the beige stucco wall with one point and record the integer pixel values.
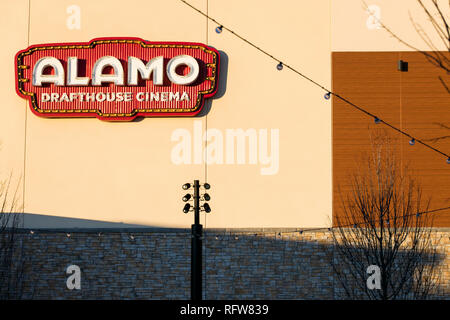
(12, 121)
(124, 172)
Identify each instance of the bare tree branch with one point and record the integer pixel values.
(390, 230)
(435, 56)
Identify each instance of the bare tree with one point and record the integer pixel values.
(12, 259)
(383, 221)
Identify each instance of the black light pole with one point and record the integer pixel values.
(196, 237)
(196, 248)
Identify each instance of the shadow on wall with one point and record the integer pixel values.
(41, 221)
(222, 85)
(281, 266)
(154, 263)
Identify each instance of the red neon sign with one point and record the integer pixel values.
(117, 78)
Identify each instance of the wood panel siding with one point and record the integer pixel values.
(415, 101)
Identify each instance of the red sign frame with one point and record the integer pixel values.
(121, 48)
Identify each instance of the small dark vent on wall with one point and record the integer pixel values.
(402, 66)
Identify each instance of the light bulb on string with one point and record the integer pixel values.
(327, 95)
(280, 66)
(412, 141)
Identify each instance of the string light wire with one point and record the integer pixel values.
(280, 233)
(328, 92)
(352, 225)
(223, 27)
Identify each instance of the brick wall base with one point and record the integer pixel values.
(149, 264)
